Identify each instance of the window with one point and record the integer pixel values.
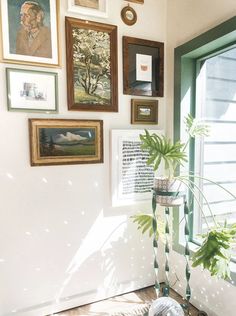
(215, 156)
(205, 86)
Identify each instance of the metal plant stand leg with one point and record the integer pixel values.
(187, 254)
(166, 290)
(155, 243)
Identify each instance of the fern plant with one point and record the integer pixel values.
(161, 149)
(216, 250)
(173, 155)
(144, 222)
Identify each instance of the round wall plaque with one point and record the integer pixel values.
(128, 15)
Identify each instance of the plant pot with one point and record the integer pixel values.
(169, 192)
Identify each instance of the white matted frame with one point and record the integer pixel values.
(32, 91)
(101, 11)
(18, 48)
(132, 179)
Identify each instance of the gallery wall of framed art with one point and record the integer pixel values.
(55, 172)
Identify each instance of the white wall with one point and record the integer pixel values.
(187, 19)
(62, 244)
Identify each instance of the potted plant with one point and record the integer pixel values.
(216, 250)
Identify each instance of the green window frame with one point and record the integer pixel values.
(186, 70)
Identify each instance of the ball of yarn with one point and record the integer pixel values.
(165, 306)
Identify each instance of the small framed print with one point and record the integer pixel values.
(33, 41)
(144, 111)
(143, 67)
(60, 142)
(32, 91)
(96, 8)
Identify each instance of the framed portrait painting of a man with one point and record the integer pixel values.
(30, 32)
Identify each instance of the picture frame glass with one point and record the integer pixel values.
(93, 4)
(100, 67)
(34, 40)
(132, 179)
(91, 66)
(143, 61)
(144, 111)
(31, 91)
(89, 7)
(143, 67)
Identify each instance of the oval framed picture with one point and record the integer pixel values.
(128, 15)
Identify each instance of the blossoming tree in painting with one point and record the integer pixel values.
(91, 61)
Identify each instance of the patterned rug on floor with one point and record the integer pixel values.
(137, 310)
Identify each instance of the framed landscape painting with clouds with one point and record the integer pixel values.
(59, 141)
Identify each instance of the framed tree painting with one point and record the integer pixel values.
(30, 32)
(143, 67)
(58, 141)
(91, 50)
(96, 8)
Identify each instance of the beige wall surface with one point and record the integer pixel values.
(187, 19)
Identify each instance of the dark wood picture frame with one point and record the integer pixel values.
(144, 111)
(83, 94)
(143, 78)
(63, 141)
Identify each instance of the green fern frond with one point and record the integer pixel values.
(215, 252)
(196, 128)
(145, 221)
(160, 148)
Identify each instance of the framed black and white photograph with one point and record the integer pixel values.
(132, 180)
(31, 91)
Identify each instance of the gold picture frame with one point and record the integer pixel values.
(136, 1)
(144, 111)
(62, 141)
(19, 45)
(128, 15)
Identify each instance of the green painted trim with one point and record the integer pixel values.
(186, 68)
(209, 41)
